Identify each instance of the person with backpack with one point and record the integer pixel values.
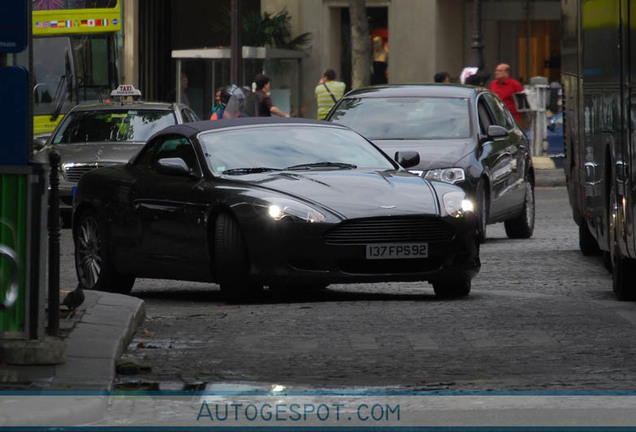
(328, 92)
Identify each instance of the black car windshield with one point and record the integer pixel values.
(406, 117)
(121, 125)
(289, 147)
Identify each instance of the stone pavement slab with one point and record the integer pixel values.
(46, 395)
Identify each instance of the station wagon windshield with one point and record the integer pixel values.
(289, 148)
(406, 117)
(101, 126)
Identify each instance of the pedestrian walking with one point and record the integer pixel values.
(479, 79)
(442, 77)
(172, 94)
(265, 106)
(505, 87)
(217, 109)
(328, 92)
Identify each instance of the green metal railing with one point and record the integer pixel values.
(13, 236)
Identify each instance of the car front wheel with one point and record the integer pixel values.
(232, 261)
(481, 199)
(93, 263)
(522, 226)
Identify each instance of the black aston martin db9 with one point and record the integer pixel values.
(284, 203)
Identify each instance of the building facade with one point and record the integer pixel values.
(422, 37)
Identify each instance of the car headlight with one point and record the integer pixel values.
(281, 208)
(456, 204)
(446, 175)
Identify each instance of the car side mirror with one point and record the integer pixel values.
(407, 159)
(497, 132)
(172, 166)
(39, 141)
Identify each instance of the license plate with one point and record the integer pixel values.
(397, 250)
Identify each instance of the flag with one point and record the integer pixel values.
(53, 24)
(38, 24)
(91, 23)
(84, 23)
(69, 23)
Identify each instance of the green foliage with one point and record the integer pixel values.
(266, 30)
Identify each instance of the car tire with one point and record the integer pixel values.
(453, 288)
(522, 226)
(481, 201)
(232, 265)
(93, 262)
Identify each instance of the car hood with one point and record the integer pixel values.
(356, 193)
(102, 153)
(433, 153)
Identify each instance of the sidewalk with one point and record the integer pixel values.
(94, 338)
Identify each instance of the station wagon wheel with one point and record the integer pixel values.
(93, 262)
(481, 199)
(522, 226)
(452, 288)
(231, 260)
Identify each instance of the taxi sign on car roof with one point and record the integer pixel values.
(125, 90)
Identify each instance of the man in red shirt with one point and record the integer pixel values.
(504, 87)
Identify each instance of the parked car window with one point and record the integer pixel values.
(114, 126)
(406, 117)
(500, 113)
(188, 116)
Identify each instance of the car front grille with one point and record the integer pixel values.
(74, 172)
(390, 230)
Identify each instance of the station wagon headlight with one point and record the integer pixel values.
(456, 204)
(446, 175)
(281, 208)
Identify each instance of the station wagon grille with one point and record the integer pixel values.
(75, 171)
(390, 230)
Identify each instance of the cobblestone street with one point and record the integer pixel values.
(540, 316)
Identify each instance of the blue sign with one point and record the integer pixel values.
(14, 115)
(14, 32)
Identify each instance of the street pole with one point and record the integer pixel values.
(477, 48)
(236, 50)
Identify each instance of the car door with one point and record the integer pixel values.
(513, 195)
(499, 155)
(170, 220)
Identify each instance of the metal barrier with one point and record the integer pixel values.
(12, 293)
